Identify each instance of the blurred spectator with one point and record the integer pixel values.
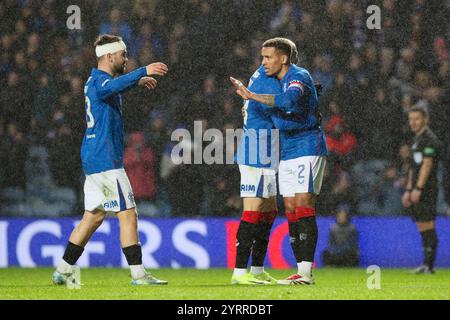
(404, 68)
(387, 58)
(402, 166)
(185, 185)
(339, 95)
(356, 70)
(370, 78)
(239, 61)
(15, 148)
(224, 198)
(4, 145)
(147, 39)
(117, 26)
(143, 11)
(209, 99)
(63, 155)
(340, 141)
(339, 190)
(322, 72)
(343, 246)
(385, 118)
(139, 162)
(286, 18)
(43, 102)
(228, 114)
(15, 97)
(390, 192)
(372, 63)
(157, 137)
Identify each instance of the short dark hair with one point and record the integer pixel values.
(418, 108)
(106, 38)
(285, 46)
(294, 54)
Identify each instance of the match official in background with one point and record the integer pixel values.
(421, 192)
(107, 188)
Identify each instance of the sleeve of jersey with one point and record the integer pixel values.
(288, 101)
(108, 87)
(429, 151)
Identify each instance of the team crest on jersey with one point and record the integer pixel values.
(106, 191)
(131, 196)
(418, 157)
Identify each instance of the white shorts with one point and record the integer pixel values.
(109, 191)
(257, 182)
(301, 175)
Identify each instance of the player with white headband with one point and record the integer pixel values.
(107, 188)
(112, 47)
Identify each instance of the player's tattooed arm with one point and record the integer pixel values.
(267, 99)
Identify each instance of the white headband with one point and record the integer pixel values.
(110, 48)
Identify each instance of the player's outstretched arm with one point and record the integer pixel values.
(156, 69)
(122, 83)
(286, 101)
(107, 87)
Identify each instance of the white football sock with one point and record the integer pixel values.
(64, 267)
(256, 270)
(239, 272)
(304, 268)
(137, 271)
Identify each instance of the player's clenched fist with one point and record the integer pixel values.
(157, 68)
(148, 82)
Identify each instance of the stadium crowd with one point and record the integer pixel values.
(370, 79)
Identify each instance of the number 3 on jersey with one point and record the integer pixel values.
(90, 117)
(244, 112)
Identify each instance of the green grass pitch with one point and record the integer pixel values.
(214, 284)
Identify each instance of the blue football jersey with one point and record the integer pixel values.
(103, 143)
(296, 115)
(256, 144)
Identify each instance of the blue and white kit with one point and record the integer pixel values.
(107, 186)
(302, 140)
(258, 149)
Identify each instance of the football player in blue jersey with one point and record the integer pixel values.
(303, 148)
(258, 158)
(107, 188)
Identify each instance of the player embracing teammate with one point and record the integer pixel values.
(107, 188)
(294, 111)
(258, 161)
